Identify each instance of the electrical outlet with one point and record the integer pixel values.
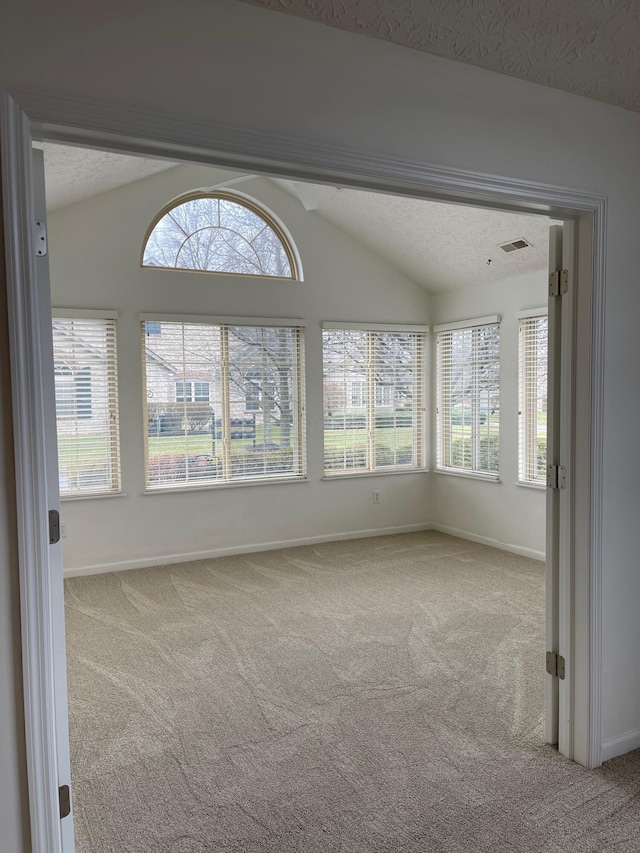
(63, 532)
(376, 496)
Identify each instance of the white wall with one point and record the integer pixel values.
(287, 77)
(503, 513)
(95, 263)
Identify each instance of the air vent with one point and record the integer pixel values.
(514, 245)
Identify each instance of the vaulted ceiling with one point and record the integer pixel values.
(587, 47)
(438, 246)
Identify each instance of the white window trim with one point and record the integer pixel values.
(83, 314)
(221, 320)
(543, 311)
(468, 474)
(377, 327)
(490, 320)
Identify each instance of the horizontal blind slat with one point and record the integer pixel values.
(468, 398)
(85, 377)
(532, 399)
(374, 400)
(223, 403)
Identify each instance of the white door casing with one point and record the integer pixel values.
(105, 127)
(53, 501)
(559, 551)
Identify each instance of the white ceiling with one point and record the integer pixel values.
(73, 174)
(588, 47)
(438, 246)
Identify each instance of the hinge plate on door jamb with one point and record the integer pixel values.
(556, 477)
(555, 665)
(64, 798)
(558, 282)
(40, 238)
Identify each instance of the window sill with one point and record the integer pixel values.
(469, 475)
(539, 487)
(355, 474)
(205, 487)
(91, 497)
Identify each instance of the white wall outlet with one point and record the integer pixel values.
(376, 496)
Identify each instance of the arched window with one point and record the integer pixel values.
(220, 232)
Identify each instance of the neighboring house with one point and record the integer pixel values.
(81, 376)
(348, 395)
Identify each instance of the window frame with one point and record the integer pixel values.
(528, 442)
(440, 330)
(371, 406)
(191, 385)
(299, 326)
(112, 402)
(270, 219)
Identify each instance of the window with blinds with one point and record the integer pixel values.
(224, 403)
(468, 397)
(374, 400)
(532, 399)
(86, 389)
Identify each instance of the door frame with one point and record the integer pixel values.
(28, 116)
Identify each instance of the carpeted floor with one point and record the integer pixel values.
(380, 694)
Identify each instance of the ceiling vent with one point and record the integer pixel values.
(514, 245)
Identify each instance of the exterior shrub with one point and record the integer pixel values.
(178, 467)
(461, 456)
(176, 418)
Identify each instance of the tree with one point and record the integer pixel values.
(217, 234)
(261, 369)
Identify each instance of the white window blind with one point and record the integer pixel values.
(468, 398)
(374, 400)
(85, 375)
(532, 392)
(224, 403)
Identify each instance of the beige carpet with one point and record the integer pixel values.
(381, 694)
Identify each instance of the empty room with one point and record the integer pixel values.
(302, 457)
(297, 496)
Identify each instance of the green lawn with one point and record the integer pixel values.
(72, 450)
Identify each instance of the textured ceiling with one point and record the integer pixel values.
(73, 174)
(438, 246)
(588, 47)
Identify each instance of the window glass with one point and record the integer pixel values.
(468, 399)
(224, 403)
(217, 233)
(373, 400)
(532, 395)
(86, 405)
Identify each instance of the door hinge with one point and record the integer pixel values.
(556, 477)
(64, 798)
(54, 526)
(555, 665)
(558, 282)
(40, 238)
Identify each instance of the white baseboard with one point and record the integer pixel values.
(169, 559)
(493, 543)
(620, 745)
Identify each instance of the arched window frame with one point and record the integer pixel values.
(251, 204)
